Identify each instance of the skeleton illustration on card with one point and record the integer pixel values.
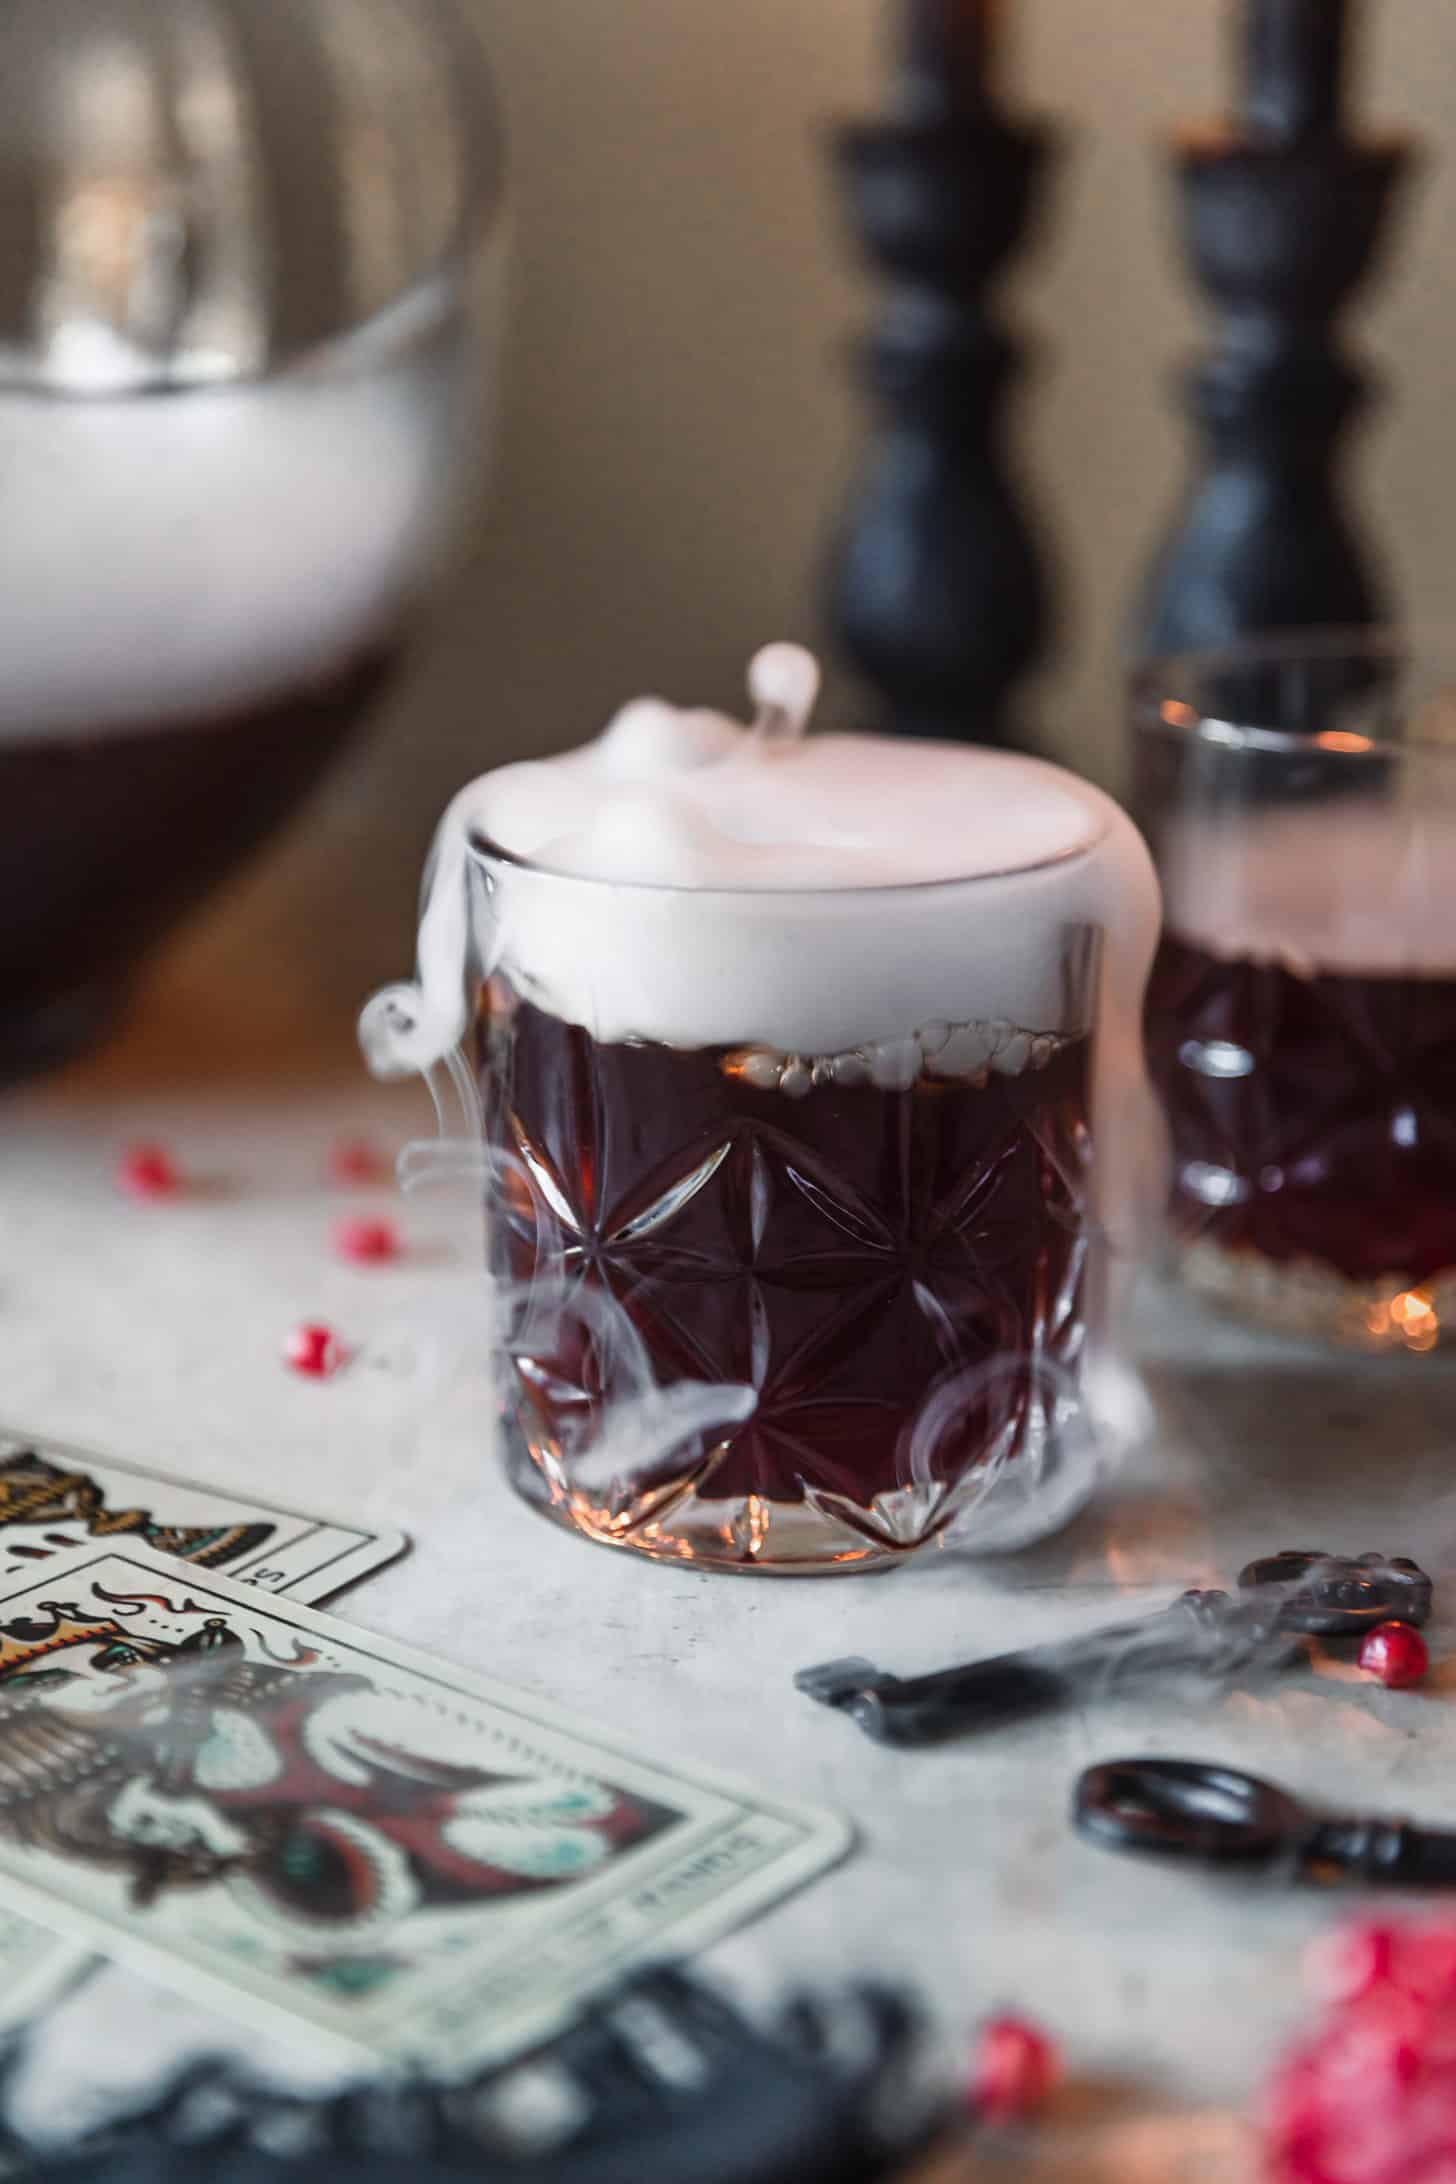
(289, 1816)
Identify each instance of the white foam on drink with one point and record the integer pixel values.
(170, 558)
(1364, 889)
(690, 881)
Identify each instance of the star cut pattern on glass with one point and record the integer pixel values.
(1313, 1118)
(747, 1258)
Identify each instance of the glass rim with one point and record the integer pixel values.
(1163, 690)
(399, 325)
(482, 850)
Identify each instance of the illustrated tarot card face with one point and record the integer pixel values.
(297, 1820)
(54, 1499)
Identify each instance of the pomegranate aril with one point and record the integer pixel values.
(1395, 1653)
(1423, 1963)
(314, 1351)
(1350, 1963)
(1370, 2096)
(366, 1242)
(148, 1172)
(1013, 2070)
(353, 1161)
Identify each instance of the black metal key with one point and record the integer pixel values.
(1281, 1600)
(1335, 1596)
(1205, 1630)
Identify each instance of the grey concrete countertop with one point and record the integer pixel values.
(154, 1333)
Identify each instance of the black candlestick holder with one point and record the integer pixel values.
(1284, 213)
(938, 592)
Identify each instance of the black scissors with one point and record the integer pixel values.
(1187, 1808)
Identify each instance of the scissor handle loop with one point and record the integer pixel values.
(1186, 1808)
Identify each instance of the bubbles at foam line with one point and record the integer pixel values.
(970, 1052)
(723, 818)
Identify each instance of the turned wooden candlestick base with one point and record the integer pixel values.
(937, 588)
(1283, 216)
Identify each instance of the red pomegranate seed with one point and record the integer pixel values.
(148, 1172)
(366, 1242)
(1423, 1963)
(353, 1161)
(1395, 1654)
(1012, 2071)
(1369, 2095)
(314, 1351)
(1350, 1963)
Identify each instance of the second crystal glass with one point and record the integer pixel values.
(1300, 795)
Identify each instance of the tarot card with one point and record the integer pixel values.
(298, 1821)
(54, 1499)
(37, 1964)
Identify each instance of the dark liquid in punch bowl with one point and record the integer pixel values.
(109, 836)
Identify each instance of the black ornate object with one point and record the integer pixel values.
(817, 2098)
(1283, 214)
(937, 592)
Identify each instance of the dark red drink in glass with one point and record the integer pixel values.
(1301, 1020)
(841, 1253)
(790, 1072)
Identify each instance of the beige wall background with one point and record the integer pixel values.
(677, 422)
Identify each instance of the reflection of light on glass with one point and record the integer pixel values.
(1213, 1186)
(86, 356)
(1343, 739)
(100, 230)
(156, 265)
(396, 206)
(101, 109)
(1410, 1318)
(1415, 1318)
(225, 327)
(217, 365)
(100, 125)
(1216, 1058)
